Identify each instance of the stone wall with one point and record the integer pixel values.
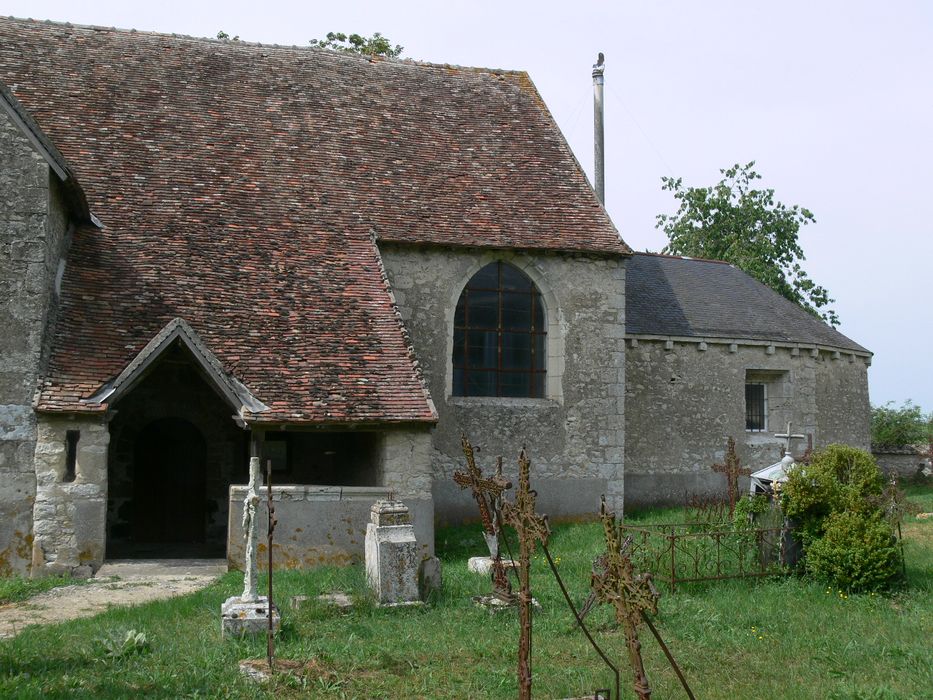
(684, 398)
(575, 435)
(33, 228)
(70, 516)
(406, 470)
(903, 462)
(317, 525)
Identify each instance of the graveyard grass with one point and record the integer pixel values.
(784, 638)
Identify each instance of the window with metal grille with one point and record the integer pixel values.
(756, 407)
(500, 335)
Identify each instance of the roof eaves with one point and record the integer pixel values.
(456, 245)
(410, 347)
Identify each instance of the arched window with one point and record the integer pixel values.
(500, 335)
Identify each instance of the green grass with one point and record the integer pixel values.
(17, 588)
(787, 638)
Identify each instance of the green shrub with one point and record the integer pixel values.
(838, 504)
(838, 478)
(857, 552)
(747, 507)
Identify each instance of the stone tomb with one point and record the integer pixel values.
(393, 556)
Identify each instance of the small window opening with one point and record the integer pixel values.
(71, 454)
(756, 407)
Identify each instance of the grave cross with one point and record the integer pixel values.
(530, 528)
(632, 595)
(488, 495)
(733, 469)
(788, 436)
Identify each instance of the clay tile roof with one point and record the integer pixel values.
(241, 188)
(686, 297)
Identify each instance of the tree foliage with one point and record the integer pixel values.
(747, 227)
(375, 45)
(897, 427)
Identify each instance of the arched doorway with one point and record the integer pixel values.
(169, 482)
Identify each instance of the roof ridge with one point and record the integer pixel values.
(257, 44)
(648, 253)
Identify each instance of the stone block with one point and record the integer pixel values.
(17, 422)
(240, 617)
(483, 565)
(392, 556)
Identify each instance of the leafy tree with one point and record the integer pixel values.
(376, 45)
(226, 37)
(891, 426)
(747, 227)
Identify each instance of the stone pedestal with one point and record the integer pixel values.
(483, 565)
(239, 617)
(392, 554)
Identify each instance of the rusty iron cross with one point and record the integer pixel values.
(732, 469)
(488, 495)
(632, 595)
(531, 528)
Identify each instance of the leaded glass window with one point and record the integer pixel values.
(500, 335)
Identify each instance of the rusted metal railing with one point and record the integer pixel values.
(694, 552)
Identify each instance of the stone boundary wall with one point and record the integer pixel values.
(685, 396)
(575, 435)
(904, 462)
(317, 525)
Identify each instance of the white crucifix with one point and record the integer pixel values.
(787, 437)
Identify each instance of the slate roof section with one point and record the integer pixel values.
(684, 297)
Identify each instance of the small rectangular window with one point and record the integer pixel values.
(71, 454)
(756, 407)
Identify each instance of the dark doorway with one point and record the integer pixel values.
(169, 484)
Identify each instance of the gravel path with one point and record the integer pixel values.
(116, 583)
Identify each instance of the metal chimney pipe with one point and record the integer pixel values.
(599, 161)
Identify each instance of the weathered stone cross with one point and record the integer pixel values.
(530, 528)
(488, 496)
(788, 436)
(631, 595)
(733, 469)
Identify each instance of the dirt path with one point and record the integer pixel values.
(116, 583)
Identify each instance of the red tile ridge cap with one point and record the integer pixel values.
(259, 45)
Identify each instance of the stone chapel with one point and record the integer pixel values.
(214, 249)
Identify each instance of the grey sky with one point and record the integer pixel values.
(834, 100)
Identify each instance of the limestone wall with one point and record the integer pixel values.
(32, 238)
(70, 517)
(406, 471)
(575, 435)
(316, 525)
(903, 462)
(683, 399)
